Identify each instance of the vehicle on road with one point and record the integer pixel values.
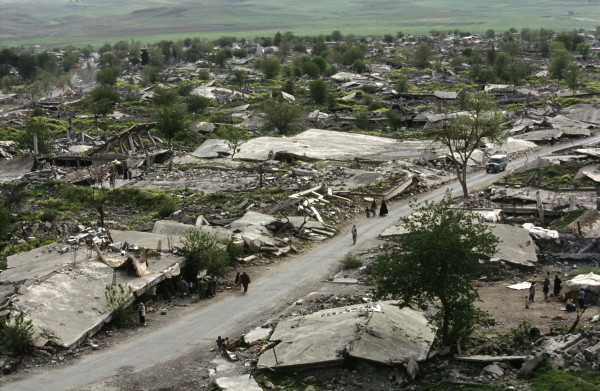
(496, 163)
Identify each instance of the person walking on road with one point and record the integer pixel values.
(142, 314)
(354, 234)
(383, 210)
(374, 208)
(238, 282)
(245, 280)
(220, 344)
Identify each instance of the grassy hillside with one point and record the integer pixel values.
(59, 22)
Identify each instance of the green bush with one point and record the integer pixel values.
(16, 336)
(117, 298)
(204, 252)
(520, 335)
(351, 261)
(167, 209)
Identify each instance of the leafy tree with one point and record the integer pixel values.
(151, 74)
(283, 117)
(204, 252)
(26, 66)
(197, 104)
(16, 336)
(269, 66)
(336, 36)
(584, 49)
(36, 127)
(359, 66)
(163, 96)
(239, 77)
(70, 58)
(559, 60)
(108, 76)
(277, 38)
(108, 59)
(233, 136)
(422, 54)
(388, 38)
(467, 132)
(102, 100)
(401, 84)
(571, 76)
(439, 257)
(318, 91)
(170, 120)
(117, 297)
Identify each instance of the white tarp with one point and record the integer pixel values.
(590, 282)
(541, 233)
(520, 286)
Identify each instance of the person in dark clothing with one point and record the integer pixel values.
(142, 314)
(374, 208)
(238, 283)
(368, 211)
(532, 292)
(570, 306)
(245, 279)
(546, 288)
(354, 234)
(581, 298)
(383, 210)
(220, 344)
(557, 287)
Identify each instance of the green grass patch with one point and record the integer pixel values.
(567, 219)
(384, 185)
(557, 176)
(350, 261)
(547, 378)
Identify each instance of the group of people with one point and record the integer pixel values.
(545, 288)
(372, 210)
(242, 280)
(222, 344)
(570, 303)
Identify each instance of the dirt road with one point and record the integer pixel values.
(197, 330)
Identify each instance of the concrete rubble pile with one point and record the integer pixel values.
(365, 332)
(61, 287)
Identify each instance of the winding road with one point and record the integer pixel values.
(223, 316)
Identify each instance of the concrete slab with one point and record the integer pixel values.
(540, 135)
(321, 144)
(594, 152)
(65, 299)
(379, 332)
(591, 171)
(516, 246)
(570, 126)
(254, 222)
(585, 112)
(584, 198)
(179, 230)
(238, 383)
(258, 333)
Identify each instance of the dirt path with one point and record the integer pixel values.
(155, 356)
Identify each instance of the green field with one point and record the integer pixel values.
(51, 23)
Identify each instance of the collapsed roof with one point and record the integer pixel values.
(379, 332)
